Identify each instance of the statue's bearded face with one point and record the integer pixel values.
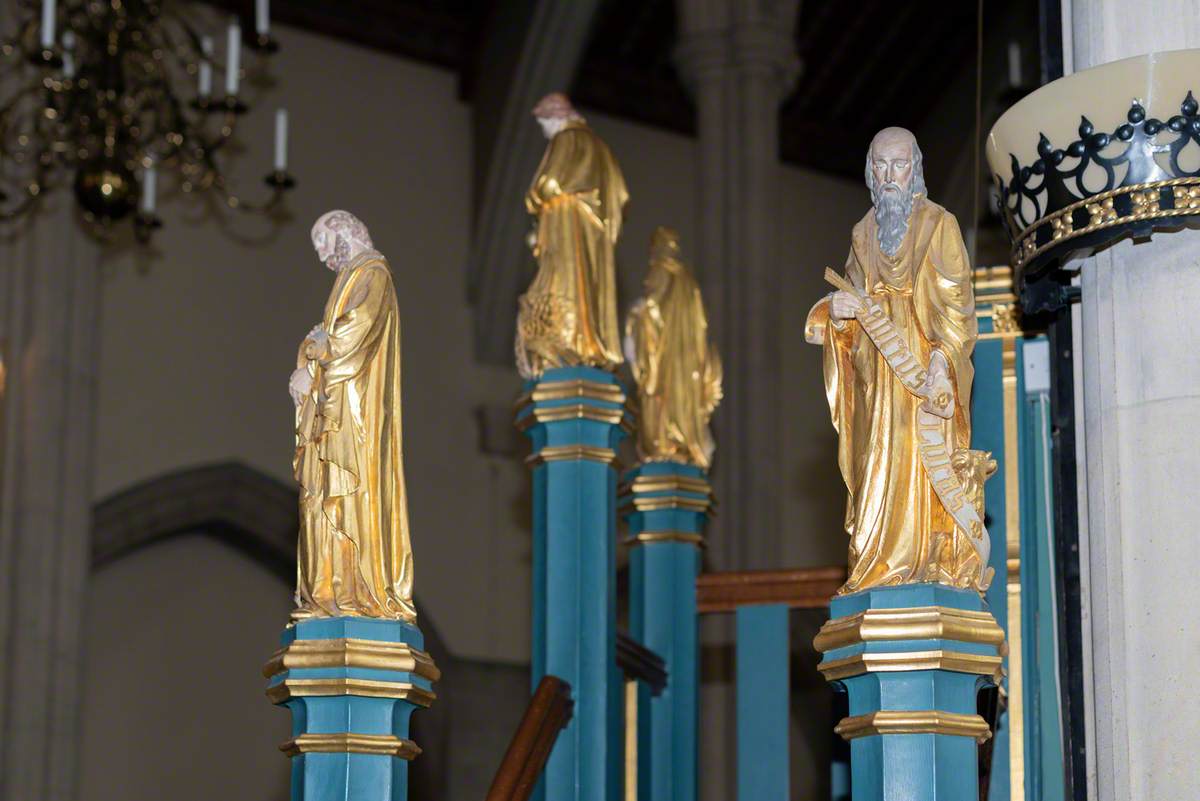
(895, 178)
(325, 243)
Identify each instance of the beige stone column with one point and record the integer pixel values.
(49, 308)
(1140, 394)
(738, 58)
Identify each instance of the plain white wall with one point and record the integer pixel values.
(199, 334)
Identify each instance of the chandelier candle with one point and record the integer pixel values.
(204, 87)
(48, 19)
(233, 59)
(149, 184)
(262, 17)
(68, 56)
(281, 126)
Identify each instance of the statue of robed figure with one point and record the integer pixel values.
(568, 316)
(897, 337)
(677, 369)
(355, 557)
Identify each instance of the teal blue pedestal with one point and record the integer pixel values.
(912, 660)
(351, 684)
(763, 690)
(666, 505)
(575, 417)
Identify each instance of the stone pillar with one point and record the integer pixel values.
(49, 314)
(738, 57)
(576, 417)
(1141, 396)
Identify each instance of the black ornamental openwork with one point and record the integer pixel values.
(1143, 176)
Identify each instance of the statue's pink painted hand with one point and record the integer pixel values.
(844, 305)
(939, 389)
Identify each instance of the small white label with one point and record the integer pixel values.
(1037, 366)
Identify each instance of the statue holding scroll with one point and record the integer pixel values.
(354, 557)
(568, 316)
(898, 336)
(677, 369)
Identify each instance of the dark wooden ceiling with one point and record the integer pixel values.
(866, 64)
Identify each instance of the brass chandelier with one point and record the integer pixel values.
(104, 95)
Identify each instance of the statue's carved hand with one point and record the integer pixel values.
(300, 385)
(938, 390)
(316, 345)
(844, 305)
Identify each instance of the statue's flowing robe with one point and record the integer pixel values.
(677, 370)
(568, 315)
(355, 557)
(899, 530)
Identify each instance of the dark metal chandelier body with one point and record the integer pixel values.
(122, 93)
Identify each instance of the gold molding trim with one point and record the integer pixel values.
(351, 743)
(922, 623)
(930, 721)
(575, 388)
(352, 652)
(371, 688)
(1025, 247)
(575, 411)
(956, 661)
(567, 453)
(666, 536)
(668, 483)
(643, 504)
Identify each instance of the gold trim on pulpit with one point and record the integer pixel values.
(957, 661)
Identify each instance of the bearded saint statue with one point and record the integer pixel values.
(897, 338)
(354, 556)
(677, 369)
(568, 316)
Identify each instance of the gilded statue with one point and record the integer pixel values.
(355, 557)
(897, 337)
(568, 316)
(677, 369)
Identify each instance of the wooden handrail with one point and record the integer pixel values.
(799, 588)
(548, 712)
(639, 662)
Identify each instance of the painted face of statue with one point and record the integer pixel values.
(339, 236)
(551, 125)
(895, 177)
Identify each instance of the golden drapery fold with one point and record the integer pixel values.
(677, 369)
(355, 556)
(568, 316)
(899, 530)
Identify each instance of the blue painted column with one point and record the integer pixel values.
(351, 684)
(763, 701)
(575, 417)
(912, 658)
(665, 505)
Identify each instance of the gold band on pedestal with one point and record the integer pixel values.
(572, 453)
(930, 721)
(351, 652)
(957, 661)
(579, 388)
(922, 623)
(666, 536)
(370, 688)
(351, 743)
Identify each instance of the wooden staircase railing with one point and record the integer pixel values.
(548, 712)
(798, 588)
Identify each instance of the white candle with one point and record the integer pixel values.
(1014, 63)
(48, 19)
(206, 47)
(262, 16)
(149, 182)
(281, 126)
(68, 56)
(233, 59)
